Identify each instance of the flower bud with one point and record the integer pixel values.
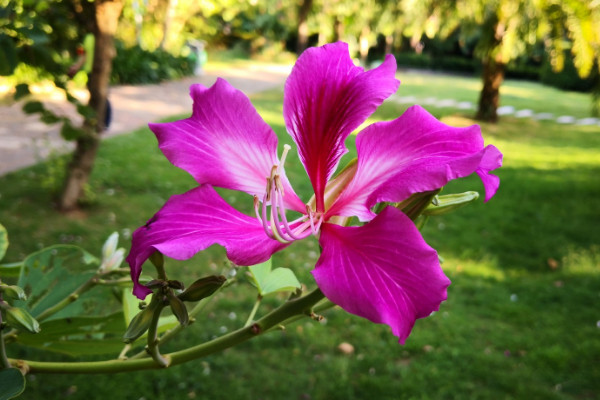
(178, 308)
(110, 246)
(450, 202)
(141, 322)
(415, 204)
(13, 292)
(19, 318)
(202, 288)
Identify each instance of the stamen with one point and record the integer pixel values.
(275, 225)
(279, 202)
(318, 227)
(268, 189)
(272, 224)
(256, 204)
(310, 214)
(278, 184)
(264, 218)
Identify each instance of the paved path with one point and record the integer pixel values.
(24, 140)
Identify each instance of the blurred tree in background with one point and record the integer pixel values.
(525, 38)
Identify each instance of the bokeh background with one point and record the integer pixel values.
(522, 320)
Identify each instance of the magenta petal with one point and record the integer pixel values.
(491, 160)
(414, 153)
(326, 97)
(383, 271)
(224, 143)
(193, 221)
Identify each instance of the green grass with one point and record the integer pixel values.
(519, 94)
(513, 327)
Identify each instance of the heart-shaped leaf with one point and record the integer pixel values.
(53, 274)
(78, 336)
(269, 281)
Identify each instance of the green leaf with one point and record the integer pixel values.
(48, 117)
(12, 383)
(21, 90)
(69, 132)
(277, 280)
(52, 274)
(78, 336)
(8, 56)
(86, 111)
(32, 107)
(3, 242)
(11, 270)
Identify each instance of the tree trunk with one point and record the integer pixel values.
(303, 25)
(364, 45)
(169, 15)
(338, 30)
(107, 14)
(389, 43)
(493, 73)
(489, 98)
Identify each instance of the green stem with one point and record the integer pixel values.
(174, 331)
(68, 300)
(253, 312)
(301, 306)
(4, 363)
(152, 347)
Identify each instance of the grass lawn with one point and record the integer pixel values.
(521, 322)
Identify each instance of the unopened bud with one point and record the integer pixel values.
(178, 308)
(13, 292)
(450, 202)
(202, 288)
(141, 322)
(110, 246)
(113, 262)
(415, 204)
(19, 318)
(173, 284)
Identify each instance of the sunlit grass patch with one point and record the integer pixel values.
(520, 320)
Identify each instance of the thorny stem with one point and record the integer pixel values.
(301, 306)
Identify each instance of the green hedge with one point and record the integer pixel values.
(134, 65)
(567, 79)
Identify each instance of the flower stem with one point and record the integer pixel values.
(300, 306)
(253, 312)
(152, 347)
(174, 331)
(4, 363)
(90, 283)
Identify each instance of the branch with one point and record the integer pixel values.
(300, 306)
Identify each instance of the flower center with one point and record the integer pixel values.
(275, 222)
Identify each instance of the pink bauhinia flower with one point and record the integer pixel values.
(382, 270)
